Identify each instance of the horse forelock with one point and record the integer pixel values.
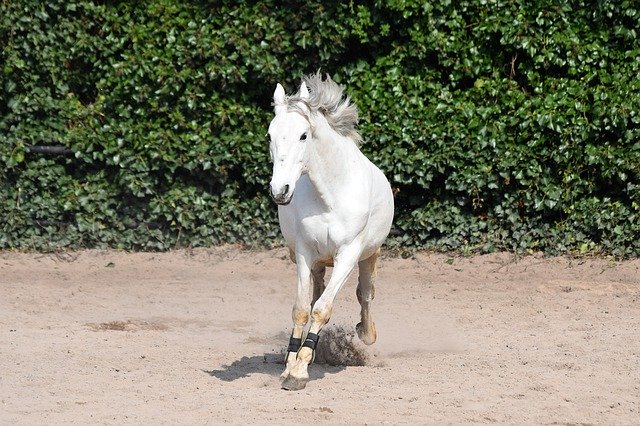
(326, 97)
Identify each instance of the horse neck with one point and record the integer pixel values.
(331, 162)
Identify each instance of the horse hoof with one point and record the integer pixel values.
(368, 336)
(294, 384)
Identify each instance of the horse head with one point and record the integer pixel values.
(290, 134)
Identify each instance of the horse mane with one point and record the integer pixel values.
(328, 98)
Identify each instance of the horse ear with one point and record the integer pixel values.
(304, 92)
(279, 98)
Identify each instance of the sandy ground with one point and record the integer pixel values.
(196, 337)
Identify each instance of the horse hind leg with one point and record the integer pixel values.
(317, 276)
(365, 292)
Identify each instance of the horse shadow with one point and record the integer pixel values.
(337, 349)
(248, 365)
(271, 364)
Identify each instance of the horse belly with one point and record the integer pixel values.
(381, 217)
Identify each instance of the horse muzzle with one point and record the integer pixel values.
(284, 197)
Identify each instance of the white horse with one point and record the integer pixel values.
(335, 209)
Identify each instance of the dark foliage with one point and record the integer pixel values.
(502, 125)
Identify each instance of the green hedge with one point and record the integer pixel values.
(502, 125)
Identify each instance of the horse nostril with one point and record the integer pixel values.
(286, 190)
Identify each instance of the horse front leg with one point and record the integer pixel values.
(300, 313)
(320, 314)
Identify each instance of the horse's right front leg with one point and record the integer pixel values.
(300, 313)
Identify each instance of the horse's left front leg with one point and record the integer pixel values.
(320, 314)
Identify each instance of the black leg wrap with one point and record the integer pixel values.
(294, 344)
(311, 341)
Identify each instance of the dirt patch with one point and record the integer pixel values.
(197, 337)
(129, 325)
(340, 346)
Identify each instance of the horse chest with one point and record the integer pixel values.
(320, 232)
(308, 222)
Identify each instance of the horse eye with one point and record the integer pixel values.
(303, 137)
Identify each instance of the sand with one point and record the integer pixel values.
(197, 337)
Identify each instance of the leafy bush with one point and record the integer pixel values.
(502, 125)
